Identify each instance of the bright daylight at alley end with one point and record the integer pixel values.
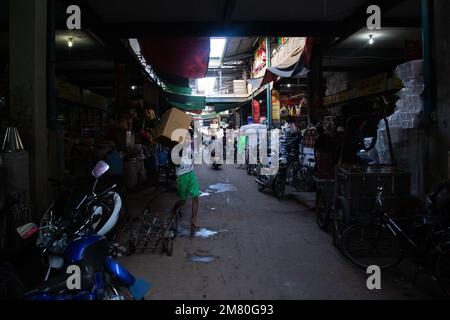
(222, 158)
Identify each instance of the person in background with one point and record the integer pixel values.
(187, 182)
(324, 153)
(224, 144)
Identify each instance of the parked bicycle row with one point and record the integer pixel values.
(367, 208)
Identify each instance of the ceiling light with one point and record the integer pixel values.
(70, 42)
(288, 85)
(370, 38)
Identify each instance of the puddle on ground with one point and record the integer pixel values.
(222, 187)
(205, 233)
(201, 233)
(198, 258)
(204, 194)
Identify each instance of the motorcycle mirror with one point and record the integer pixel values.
(100, 168)
(27, 230)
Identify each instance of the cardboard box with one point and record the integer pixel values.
(171, 120)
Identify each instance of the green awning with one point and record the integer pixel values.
(220, 107)
(177, 89)
(186, 107)
(181, 98)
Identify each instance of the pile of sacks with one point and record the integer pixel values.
(407, 114)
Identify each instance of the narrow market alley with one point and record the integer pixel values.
(246, 153)
(264, 249)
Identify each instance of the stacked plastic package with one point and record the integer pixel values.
(288, 142)
(407, 114)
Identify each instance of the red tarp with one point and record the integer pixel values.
(183, 57)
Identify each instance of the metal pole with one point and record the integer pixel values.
(51, 95)
(269, 96)
(427, 64)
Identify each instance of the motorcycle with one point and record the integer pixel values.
(75, 241)
(276, 181)
(216, 161)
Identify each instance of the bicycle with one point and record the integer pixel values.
(378, 240)
(302, 177)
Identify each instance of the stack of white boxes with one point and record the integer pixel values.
(407, 114)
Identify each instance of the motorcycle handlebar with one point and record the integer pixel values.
(73, 217)
(103, 193)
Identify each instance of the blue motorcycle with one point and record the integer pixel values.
(100, 276)
(83, 256)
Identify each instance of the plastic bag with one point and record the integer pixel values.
(410, 70)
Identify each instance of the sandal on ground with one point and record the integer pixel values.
(194, 229)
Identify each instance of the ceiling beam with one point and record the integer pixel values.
(364, 52)
(86, 72)
(83, 55)
(401, 22)
(86, 83)
(363, 69)
(228, 11)
(219, 29)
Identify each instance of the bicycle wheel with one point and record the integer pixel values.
(322, 210)
(278, 187)
(367, 245)
(341, 219)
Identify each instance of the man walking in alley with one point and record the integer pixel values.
(187, 183)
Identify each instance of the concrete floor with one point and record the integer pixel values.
(265, 249)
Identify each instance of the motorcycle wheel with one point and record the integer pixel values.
(116, 292)
(168, 246)
(133, 236)
(443, 271)
(260, 187)
(278, 187)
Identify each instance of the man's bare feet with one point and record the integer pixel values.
(194, 229)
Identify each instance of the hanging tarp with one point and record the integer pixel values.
(185, 57)
(289, 65)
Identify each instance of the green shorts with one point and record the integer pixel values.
(187, 186)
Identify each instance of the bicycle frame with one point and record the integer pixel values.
(388, 221)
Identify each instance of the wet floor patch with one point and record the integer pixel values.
(222, 187)
(204, 194)
(205, 233)
(200, 233)
(200, 258)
